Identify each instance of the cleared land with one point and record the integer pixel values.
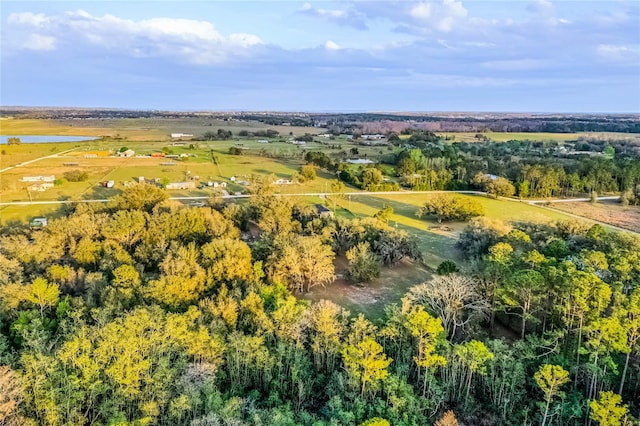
(611, 212)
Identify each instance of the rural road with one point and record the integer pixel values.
(34, 160)
(536, 203)
(204, 197)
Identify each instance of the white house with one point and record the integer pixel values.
(127, 153)
(181, 185)
(181, 135)
(49, 178)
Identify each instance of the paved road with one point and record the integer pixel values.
(536, 203)
(196, 198)
(37, 159)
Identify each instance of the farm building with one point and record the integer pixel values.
(181, 185)
(323, 211)
(49, 178)
(359, 161)
(127, 153)
(157, 154)
(91, 154)
(283, 182)
(38, 222)
(181, 135)
(41, 187)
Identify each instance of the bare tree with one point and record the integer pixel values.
(456, 299)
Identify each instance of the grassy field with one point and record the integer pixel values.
(436, 242)
(139, 129)
(611, 212)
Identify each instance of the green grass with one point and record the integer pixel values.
(438, 244)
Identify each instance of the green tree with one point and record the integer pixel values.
(523, 291)
(140, 196)
(448, 207)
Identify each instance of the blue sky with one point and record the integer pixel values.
(430, 55)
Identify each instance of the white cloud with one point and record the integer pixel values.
(442, 15)
(28, 18)
(191, 40)
(331, 45)
(513, 64)
(40, 42)
(546, 12)
(347, 17)
(619, 53)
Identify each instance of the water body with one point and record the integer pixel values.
(45, 139)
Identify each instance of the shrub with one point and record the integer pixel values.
(76, 176)
(364, 265)
(447, 267)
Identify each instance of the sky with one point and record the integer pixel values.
(323, 56)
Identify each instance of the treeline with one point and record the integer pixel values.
(531, 171)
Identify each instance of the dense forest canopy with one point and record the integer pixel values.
(144, 311)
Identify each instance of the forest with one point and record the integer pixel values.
(143, 311)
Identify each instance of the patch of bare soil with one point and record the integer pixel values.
(370, 298)
(613, 213)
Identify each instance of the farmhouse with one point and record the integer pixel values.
(181, 185)
(49, 178)
(181, 135)
(127, 153)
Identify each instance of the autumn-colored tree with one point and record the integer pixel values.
(550, 379)
(366, 364)
(608, 409)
